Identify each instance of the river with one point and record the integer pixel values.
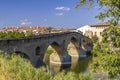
(80, 66)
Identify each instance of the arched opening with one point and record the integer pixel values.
(52, 57)
(73, 51)
(53, 51)
(37, 51)
(73, 47)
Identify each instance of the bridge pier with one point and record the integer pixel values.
(66, 60)
(37, 62)
(60, 61)
(82, 53)
(63, 60)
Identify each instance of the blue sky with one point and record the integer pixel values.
(55, 13)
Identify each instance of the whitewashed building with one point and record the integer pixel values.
(84, 29)
(94, 29)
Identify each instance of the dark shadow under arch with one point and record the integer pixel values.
(56, 47)
(37, 51)
(22, 54)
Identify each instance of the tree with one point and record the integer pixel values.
(111, 36)
(29, 33)
(112, 9)
(11, 34)
(106, 53)
(94, 38)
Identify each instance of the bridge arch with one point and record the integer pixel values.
(73, 50)
(73, 46)
(52, 53)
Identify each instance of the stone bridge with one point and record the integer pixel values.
(34, 48)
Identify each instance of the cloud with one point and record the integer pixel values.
(62, 8)
(25, 22)
(59, 14)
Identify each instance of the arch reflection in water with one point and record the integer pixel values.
(52, 57)
(82, 65)
(73, 50)
(56, 58)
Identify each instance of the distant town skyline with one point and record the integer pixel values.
(54, 13)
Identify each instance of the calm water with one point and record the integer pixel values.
(80, 65)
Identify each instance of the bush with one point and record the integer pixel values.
(47, 55)
(13, 67)
(94, 39)
(107, 53)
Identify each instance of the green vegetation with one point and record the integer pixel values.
(11, 34)
(15, 34)
(107, 53)
(94, 39)
(29, 33)
(72, 76)
(13, 67)
(47, 55)
(111, 9)
(106, 61)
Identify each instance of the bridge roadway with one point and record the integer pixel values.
(34, 48)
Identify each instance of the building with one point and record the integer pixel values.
(98, 28)
(94, 29)
(84, 29)
(58, 30)
(35, 29)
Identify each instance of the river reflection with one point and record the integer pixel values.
(77, 66)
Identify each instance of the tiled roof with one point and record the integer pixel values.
(100, 24)
(41, 28)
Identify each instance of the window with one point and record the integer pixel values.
(100, 33)
(37, 51)
(95, 33)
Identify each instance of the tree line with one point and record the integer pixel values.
(15, 34)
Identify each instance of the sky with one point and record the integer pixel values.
(54, 13)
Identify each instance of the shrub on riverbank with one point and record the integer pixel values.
(13, 67)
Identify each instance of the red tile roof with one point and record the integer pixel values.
(101, 24)
(41, 28)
